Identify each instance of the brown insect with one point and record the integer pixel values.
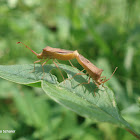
(53, 53)
(92, 70)
(61, 54)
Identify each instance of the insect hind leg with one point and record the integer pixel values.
(77, 74)
(59, 70)
(75, 67)
(85, 82)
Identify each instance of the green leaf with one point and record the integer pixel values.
(79, 98)
(23, 74)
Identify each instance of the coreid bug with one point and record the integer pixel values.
(53, 53)
(61, 54)
(93, 71)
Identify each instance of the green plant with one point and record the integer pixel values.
(80, 99)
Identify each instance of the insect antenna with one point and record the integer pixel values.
(28, 48)
(110, 76)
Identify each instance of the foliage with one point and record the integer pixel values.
(105, 32)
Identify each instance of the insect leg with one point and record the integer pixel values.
(36, 62)
(59, 70)
(57, 61)
(103, 77)
(96, 87)
(74, 66)
(78, 74)
(85, 82)
(43, 68)
(71, 64)
(96, 84)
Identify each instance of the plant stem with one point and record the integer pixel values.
(134, 134)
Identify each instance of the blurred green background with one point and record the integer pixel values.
(106, 32)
